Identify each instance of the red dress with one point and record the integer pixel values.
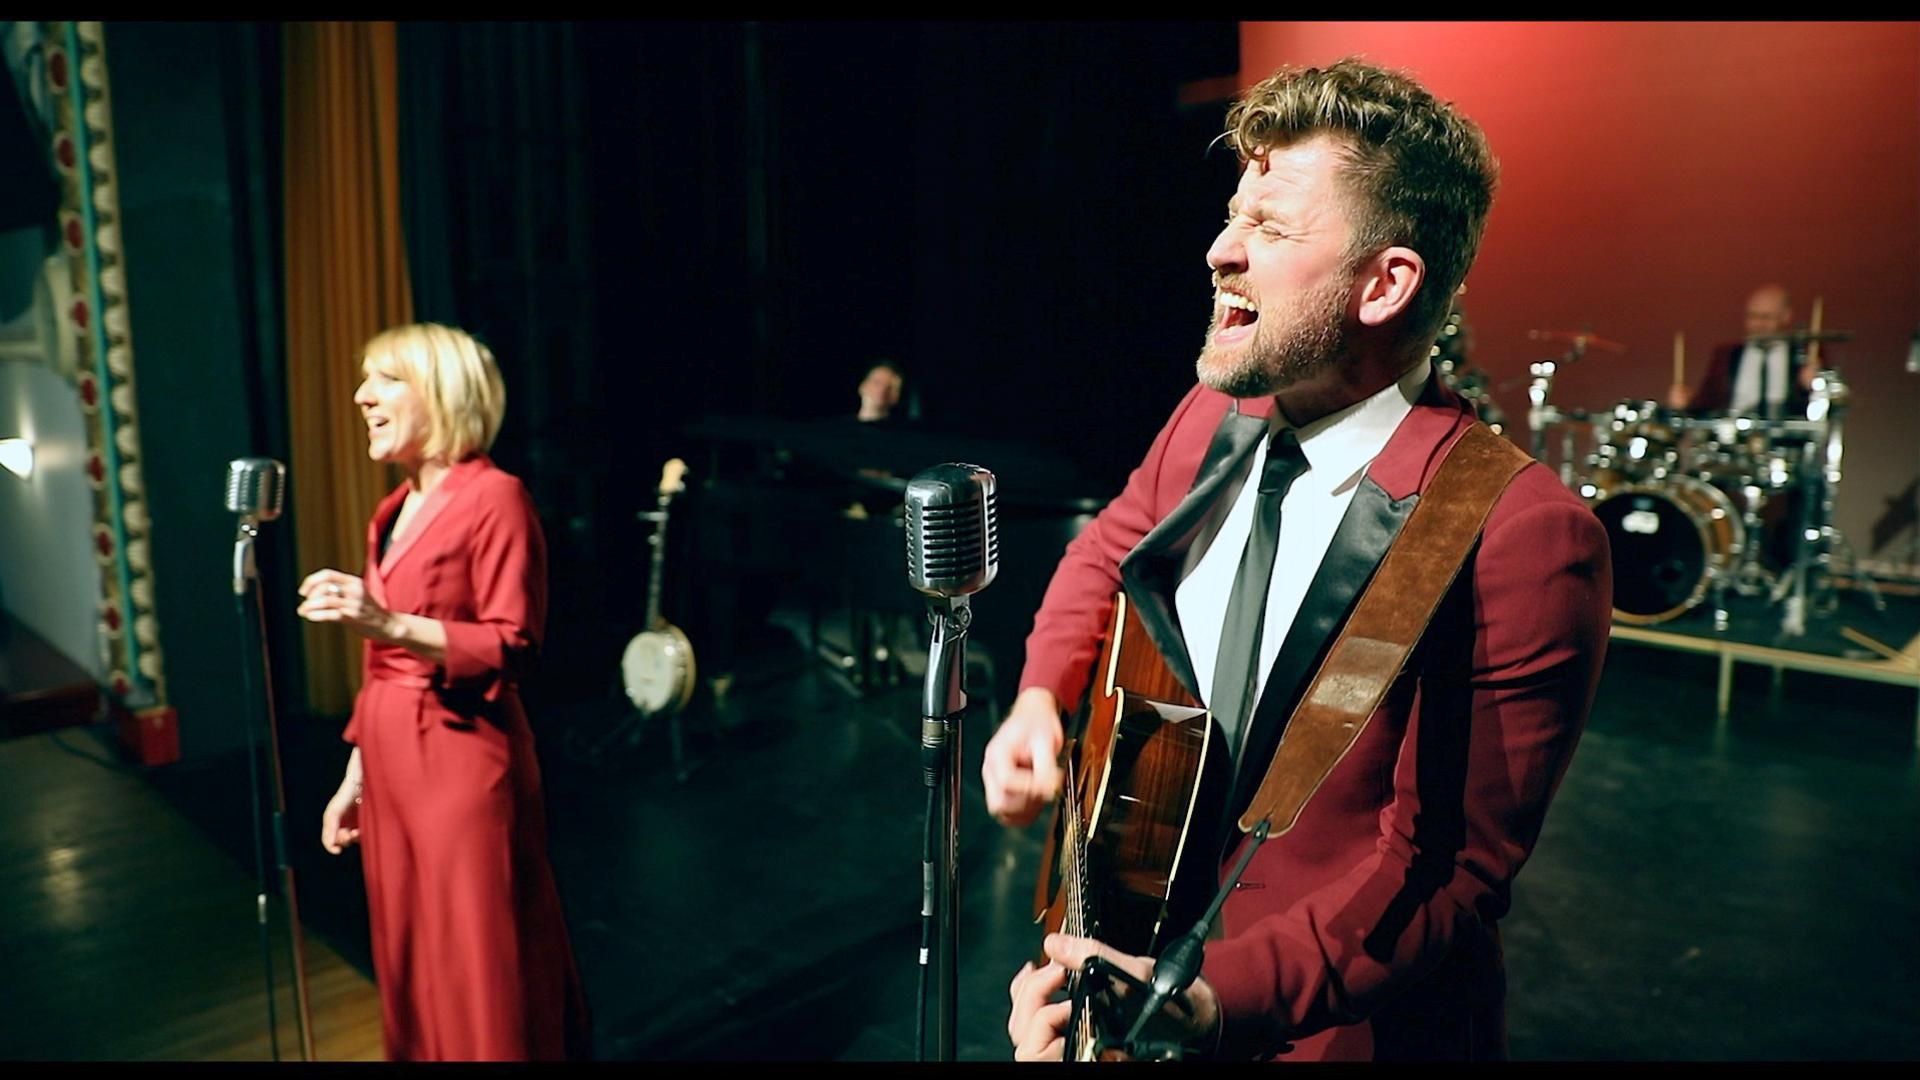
(469, 945)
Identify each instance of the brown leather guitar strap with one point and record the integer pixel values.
(1393, 612)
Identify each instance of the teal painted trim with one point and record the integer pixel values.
(103, 376)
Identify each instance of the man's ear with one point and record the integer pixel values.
(1388, 283)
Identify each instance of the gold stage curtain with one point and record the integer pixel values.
(346, 279)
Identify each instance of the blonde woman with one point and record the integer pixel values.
(442, 791)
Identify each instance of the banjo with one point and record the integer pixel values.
(657, 667)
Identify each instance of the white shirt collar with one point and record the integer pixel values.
(1339, 445)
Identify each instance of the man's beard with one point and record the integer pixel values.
(1280, 353)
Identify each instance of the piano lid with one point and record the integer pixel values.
(1028, 476)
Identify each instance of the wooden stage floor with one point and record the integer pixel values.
(129, 935)
(1704, 890)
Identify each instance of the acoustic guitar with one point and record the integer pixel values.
(1125, 861)
(658, 667)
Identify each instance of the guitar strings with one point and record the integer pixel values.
(1078, 918)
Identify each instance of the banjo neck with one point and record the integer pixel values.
(672, 482)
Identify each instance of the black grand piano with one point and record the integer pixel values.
(809, 512)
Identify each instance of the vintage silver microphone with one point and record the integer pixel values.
(953, 551)
(256, 488)
(953, 534)
(256, 491)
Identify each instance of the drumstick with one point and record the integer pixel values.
(1679, 358)
(1813, 347)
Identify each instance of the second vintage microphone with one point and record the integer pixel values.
(953, 534)
(953, 551)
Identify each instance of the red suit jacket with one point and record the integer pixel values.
(470, 950)
(1368, 931)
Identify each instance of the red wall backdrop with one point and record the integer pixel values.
(1654, 173)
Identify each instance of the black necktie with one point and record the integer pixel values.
(1236, 672)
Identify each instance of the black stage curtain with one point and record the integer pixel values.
(424, 180)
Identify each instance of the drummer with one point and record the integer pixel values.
(1755, 377)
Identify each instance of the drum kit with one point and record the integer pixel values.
(1700, 506)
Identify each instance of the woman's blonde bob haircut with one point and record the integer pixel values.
(456, 376)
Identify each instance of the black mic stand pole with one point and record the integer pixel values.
(253, 628)
(943, 702)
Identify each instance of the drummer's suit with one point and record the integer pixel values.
(1715, 392)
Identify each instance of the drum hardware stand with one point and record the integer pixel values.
(1539, 413)
(1742, 566)
(1829, 598)
(1566, 455)
(1541, 416)
(1751, 576)
(1829, 535)
(1817, 537)
(1792, 585)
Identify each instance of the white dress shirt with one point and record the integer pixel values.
(1338, 449)
(1746, 385)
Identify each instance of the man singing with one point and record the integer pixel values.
(1255, 520)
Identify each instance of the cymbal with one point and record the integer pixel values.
(1799, 337)
(1580, 338)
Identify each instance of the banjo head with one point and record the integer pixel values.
(657, 670)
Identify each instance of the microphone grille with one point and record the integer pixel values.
(953, 530)
(256, 487)
(236, 487)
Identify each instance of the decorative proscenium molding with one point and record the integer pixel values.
(96, 320)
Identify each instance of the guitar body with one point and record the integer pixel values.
(1124, 862)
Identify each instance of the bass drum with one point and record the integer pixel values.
(1670, 539)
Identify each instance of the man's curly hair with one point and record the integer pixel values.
(1420, 174)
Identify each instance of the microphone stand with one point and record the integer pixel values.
(253, 628)
(943, 702)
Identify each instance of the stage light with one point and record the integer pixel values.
(16, 456)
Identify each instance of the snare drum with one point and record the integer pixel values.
(1670, 540)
